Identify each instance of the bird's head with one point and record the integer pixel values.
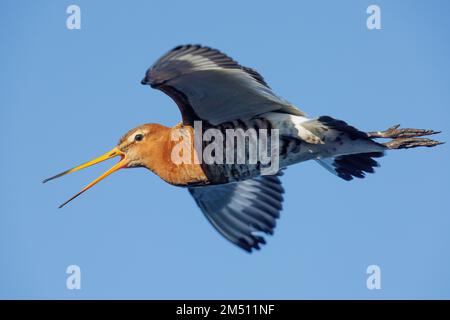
(135, 149)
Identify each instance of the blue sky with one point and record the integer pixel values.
(68, 95)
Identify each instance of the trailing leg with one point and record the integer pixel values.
(405, 138)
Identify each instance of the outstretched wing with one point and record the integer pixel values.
(241, 210)
(208, 85)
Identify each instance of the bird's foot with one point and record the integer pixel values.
(408, 143)
(405, 138)
(394, 133)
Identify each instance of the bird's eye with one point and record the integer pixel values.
(138, 137)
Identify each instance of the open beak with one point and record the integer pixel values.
(111, 154)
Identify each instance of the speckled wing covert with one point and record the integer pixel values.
(208, 85)
(241, 210)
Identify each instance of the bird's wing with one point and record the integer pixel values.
(208, 85)
(241, 210)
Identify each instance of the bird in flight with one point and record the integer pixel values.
(238, 198)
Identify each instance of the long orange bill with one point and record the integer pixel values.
(111, 154)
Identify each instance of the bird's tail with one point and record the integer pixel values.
(357, 150)
(352, 165)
